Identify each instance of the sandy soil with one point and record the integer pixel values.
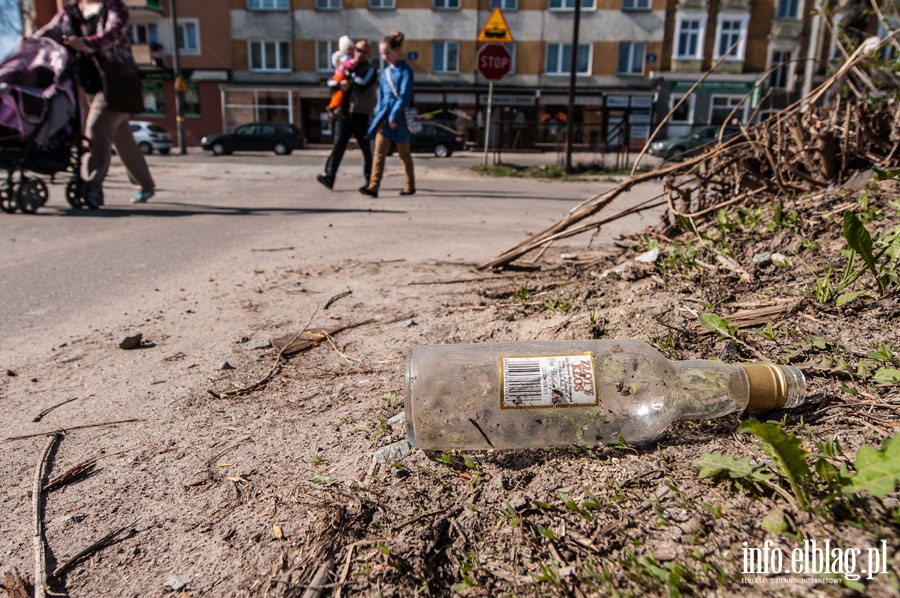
(273, 491)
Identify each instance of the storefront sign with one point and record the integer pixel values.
(739, 87)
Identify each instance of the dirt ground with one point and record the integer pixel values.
(273, 491)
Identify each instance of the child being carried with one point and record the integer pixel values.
(343, 63)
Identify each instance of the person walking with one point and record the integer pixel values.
(352, 119)
(395, 92)
(103, 27)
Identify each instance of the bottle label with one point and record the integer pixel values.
(548, 381)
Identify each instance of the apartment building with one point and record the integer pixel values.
(246, 60)
(282, 51)
(204, 43)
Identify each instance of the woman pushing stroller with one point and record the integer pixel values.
(101, 27)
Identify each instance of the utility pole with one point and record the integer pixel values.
(573, 70)
(179, 80)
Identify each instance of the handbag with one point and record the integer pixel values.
(121, 84)
(413, 124)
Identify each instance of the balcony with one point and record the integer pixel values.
(144, 6)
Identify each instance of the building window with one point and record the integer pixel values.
(732, 31)
(188, 35)
(192, 99)
(446, 4)
(788, 9)
(153, 98)
(144, 34)
(270, 56)
(267, 4)
(685, 113)
(635, 4)
(631, 58)
(324, 50)
(446, 57)
(570, 4)
(382, 4)
(726, 108)
(505, 4)
(328, 4)
(780, 68)
(559, 59)
(690, 34)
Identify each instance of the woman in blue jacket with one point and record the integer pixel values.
(395, 91)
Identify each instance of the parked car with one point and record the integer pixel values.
(440, 140)
(689, 144)
(281, 138)
(150, 136)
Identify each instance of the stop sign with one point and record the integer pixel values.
(493, 61)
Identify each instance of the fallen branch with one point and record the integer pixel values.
(72, 474)
(276, 367)
(104, 542)
(70, 428)
(37, 501)
(40, 415)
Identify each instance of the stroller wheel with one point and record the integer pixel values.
(7, 197)
(73, 192)
(32, 194)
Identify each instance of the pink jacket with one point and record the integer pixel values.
(113, 37)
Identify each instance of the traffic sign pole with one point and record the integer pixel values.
(487, 121)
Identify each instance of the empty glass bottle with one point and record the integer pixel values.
(560, 393)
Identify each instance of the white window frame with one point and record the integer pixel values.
(569, 6)
(189, 22)
(741, 113)
(328, 5)
(326, 47)
(383, 5)
(447, 4)
(684, 17)
(789, 66)
(262, 43)
(565, 50)
(507, 5)
(691, 107)
(631, 72)
(445, 47)
(779, 4)
(636, 5)
(731, 17)
(265, 5)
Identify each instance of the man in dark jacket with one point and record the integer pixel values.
(353, 117)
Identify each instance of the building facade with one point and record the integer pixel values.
(282, 51)
(252, 60)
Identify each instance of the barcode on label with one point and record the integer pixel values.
(522, 381)
(548, 381)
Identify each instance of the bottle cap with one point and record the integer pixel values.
(775, 386)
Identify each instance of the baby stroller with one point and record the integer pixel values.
(40, 126)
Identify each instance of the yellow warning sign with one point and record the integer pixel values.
(495, 30)
(180, 84)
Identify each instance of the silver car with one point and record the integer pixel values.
(150, 136)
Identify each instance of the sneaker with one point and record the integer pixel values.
(370, 192)
(142, 196)
(326, 182)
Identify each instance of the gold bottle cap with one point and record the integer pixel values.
(768, 386)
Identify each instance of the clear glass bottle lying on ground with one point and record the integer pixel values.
(560, 393)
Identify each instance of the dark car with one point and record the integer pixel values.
(281, 138)
(440, 140)
(689, 144)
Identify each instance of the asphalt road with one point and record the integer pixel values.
(66, 270)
